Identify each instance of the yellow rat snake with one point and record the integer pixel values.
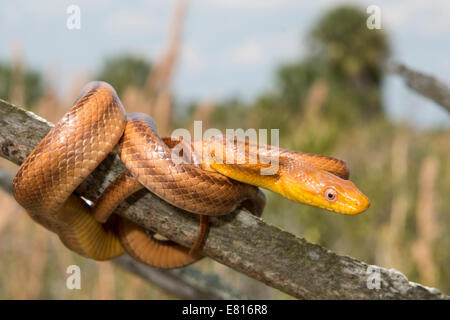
(206, 185)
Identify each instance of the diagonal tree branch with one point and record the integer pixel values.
(424, 84)
(186, 283)
(239, 240)
(6, 181)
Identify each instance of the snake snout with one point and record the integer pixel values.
(363, 203)
(354, 201)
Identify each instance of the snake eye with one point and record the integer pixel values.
(330, 194)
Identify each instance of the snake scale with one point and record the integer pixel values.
(97, 125)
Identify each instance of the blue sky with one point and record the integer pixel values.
(230, 47)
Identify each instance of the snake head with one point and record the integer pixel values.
(322, 189)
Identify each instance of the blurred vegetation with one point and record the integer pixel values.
(13, 77)
(327, 103)
(124, 71)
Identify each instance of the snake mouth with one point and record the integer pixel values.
(348, 203)
(357, 207)
(364, 205)
(345, 203)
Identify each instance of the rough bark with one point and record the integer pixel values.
(239, 240)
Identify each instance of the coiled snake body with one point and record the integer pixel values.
(97, 123)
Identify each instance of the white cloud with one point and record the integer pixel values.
(284, 46)
(268, 49)
(247, 54)
(47, 8)
(416, 16)
(127, 21)
(250, 4)
(192, 59)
